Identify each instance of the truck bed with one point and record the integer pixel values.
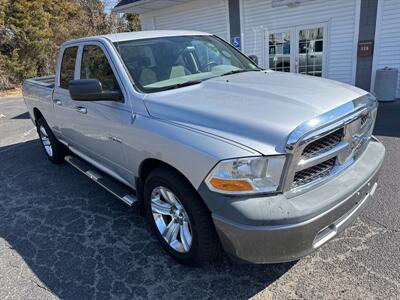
(46, 81)
(38, 93)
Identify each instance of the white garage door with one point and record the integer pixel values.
(206, 15)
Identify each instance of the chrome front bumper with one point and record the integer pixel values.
(301, 229)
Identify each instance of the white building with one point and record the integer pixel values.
(345, 40)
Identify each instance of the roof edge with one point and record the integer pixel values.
(122, 8)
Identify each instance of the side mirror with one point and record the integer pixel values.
(254, 58)
(91, 90)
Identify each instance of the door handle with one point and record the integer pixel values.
(115, 139)
(57, 101)
(81, 109)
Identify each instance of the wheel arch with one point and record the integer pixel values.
(150, 164)
(37, 114)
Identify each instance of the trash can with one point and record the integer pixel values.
(386, 84)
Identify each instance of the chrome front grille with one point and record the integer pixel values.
(323, 144)
(329, 147)
(313, 173)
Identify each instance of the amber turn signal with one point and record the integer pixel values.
(231, 185)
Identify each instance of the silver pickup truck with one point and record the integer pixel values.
(217, 152)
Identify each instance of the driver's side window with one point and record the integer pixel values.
(95, 65)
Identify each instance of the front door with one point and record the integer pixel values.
(300, 49)
(99, 127)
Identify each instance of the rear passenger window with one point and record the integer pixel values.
(68, 66)
(95, 65)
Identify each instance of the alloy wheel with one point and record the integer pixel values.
(171, 219)
(44, 137)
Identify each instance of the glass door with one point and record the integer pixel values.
(310, 50)
(298, 49)
(279, 50)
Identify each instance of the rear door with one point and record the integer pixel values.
(63, 104)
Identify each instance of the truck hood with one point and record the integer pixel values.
(255, 109)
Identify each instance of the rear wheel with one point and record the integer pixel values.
(179, 218)
(54, 150)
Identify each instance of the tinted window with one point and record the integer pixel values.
(68, 66)
(96, 66)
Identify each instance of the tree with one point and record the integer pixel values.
(30, 24)
(4, 4)
(133, 22)
(6, 80)
(31, 32)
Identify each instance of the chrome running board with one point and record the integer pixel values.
(113, 186)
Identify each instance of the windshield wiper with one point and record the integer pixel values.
(238, 71)
(182, 84)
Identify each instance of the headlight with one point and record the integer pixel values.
(247, 175)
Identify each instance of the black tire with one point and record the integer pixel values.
(205, 244)
(58, 150)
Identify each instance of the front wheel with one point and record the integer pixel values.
(179, 218)
(54, 150)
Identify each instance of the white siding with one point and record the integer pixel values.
(147, 22)
(387, 42)
(206, 15)
(341, 16)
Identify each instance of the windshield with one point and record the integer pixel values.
(172, 62)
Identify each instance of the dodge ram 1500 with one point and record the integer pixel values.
(218, 152)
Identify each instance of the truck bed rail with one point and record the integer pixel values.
(46, 81)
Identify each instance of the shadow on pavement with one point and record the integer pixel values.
(388, 119)
(24, 116)
(81, 242)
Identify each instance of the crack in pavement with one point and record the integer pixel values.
(41, 286)
(381, 225)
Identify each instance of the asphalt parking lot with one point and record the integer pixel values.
(63, 236)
